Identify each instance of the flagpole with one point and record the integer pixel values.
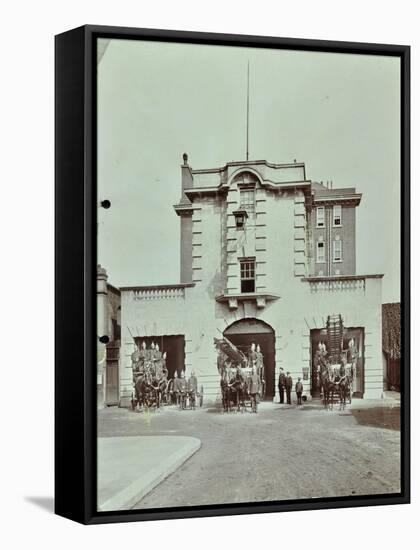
(247, 115)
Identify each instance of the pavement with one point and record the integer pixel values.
(392, 395)
(130, 467)
(283, 452)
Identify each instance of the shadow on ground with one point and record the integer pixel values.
(46, 503)
(378, 417)
(304, 407)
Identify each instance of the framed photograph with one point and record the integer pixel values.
(232, 274)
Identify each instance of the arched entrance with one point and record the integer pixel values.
(242, 333)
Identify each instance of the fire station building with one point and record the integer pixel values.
(267, 256)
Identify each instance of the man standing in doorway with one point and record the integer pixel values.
(282, 385)
(289, 385)
(252, 355)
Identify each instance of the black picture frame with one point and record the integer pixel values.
(75, 272)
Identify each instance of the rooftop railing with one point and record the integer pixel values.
(158, 292)
(341, 283)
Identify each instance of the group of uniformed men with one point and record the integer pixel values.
(183, 388)
(235, 377)
(255, 359)
(153, 360)
(256, 378)
(286, 384)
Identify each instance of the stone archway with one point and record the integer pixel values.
(245, 331)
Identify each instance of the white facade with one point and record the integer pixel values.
(285, 294)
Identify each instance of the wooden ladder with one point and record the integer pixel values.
(335, 336)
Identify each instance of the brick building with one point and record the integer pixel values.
(267, 256)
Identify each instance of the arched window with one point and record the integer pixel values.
(246, 182)
(245, 178)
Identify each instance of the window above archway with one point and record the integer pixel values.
(245, 178)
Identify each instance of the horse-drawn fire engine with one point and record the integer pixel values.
(335, 365)
(242, 381)
(152, 388)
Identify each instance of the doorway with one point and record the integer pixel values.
(247, 331)
(111, 375)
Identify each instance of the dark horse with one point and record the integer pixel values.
(138, 388)
(224, 388)
(345, 387)
(148, 391)
(335, 381)
(328, 386)
(233, 392)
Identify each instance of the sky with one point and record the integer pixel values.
(338, 113)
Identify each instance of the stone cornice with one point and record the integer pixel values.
(184, 209)
(324, 200)
(224, 187)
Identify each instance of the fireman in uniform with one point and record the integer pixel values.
(282, 384)
(182, 389)
(259, 362)
(175, 389)
(289, 385)
(157, 361)
(192, 388)
(252, 355)
(142, 356)
(253, 388)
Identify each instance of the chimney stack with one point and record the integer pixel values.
(186, 222)
(187, 178)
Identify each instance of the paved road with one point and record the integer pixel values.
(283, 452)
